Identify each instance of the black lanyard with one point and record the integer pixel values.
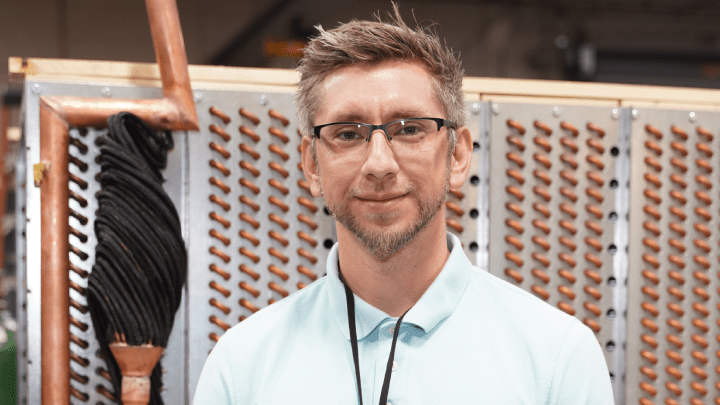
(354, 343)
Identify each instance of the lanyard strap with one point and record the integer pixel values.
(354, 343)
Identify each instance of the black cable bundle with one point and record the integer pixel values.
(140, 266)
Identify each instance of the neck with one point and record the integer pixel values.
(396, 284)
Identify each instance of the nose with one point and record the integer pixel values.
(380, 161)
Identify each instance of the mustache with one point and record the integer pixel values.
(379, 187)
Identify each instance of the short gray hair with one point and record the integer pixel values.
(374, 42)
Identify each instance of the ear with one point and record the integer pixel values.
(310, 169)
(461, 158)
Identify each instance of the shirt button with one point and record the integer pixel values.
(391, 330)
(394, 366)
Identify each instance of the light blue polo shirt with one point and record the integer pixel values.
(471, 339)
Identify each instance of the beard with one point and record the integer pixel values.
(383, 243)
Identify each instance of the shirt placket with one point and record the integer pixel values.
(398, 377)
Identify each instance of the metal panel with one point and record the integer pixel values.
(87, 382)
(20, 279)
(553, 200)
(673, 331)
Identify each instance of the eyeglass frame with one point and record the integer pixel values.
(441, 122)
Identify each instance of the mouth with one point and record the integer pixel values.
(385, 198)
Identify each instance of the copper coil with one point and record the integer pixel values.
(515, 192)
(279, 221)
(279, 238)
(278, 116)
(648, 372)
(653, 179)
(456, 193)
(278, 168)
(307, 238)
(654, 131)
(705, 134)
(542, 226)
(77, 197)
(653, 147)
(81, 218)
(676, 292)
(540, 292)
(678, 212)
(593, 292)
(250, 151)
(83, 344)
(567, 308)
(570, 128)
(594, 210)
(300, 167)
(514, 275)
(677, 228)
(701, 309)
(247, 270)
(650, 276)
(304, 185)
(679, 148)
(514, 241)
(592, 275)
(543, 127)
(596, 129)
(301, 285)
(543, 160)
(248, 236)
(699, 356)
(567, 242)
(597, 145)
(678, 180)
(220, 184)
(307, 255)
(276, 253)
(595, 194)
(540, 258)
(650, 325)
(677, 196)
(700, 341)
(591, 258)
(307, 204)
(250, 203)
(677, 244)
(247, 287)
(82, 379)
(223, 117)
(516, 175)
(568, 226)
(250, 220)
(215, 251)
(592, 308)
(703, 181)
(648, 356)
(701, 390)
(278, 203)
(455, 225)
(516, 126)
(222, 238)
(77, 287)
(569, 161)
(676, 260)
(225, 275)
(653, 163)
(219, 201)
(544, 244)
(77, 180)
(569, 210)
(215, 217)
(704, 197)
(701, 293)
(247, 304)
(515, 209)
(515, 159)
(250, 134)
(542, 193)
(703, 229)
(456, 209)
(307, 221)
(679, 132)
(279, 151)
(82, 147)
(514, 225)
(81, 236)
(675, 324)
(224, 135)
(516, 142)
(542, 176)
(566, 258)
(250, 168)
(221, 167)
(567, 276)
(250, 185)
(595, 177)
(541, 209)
(250, 116)
(566, 291)
(652, 228)
(276, 271)
(677, 309)
(705, 148)
(543, 143)
(219, 288)
(673, 372)
(214, 336)
(702, 245)
(277, 185)
(77, 270)
(651, 260)
(219, 149)
(541, 275)
(569, 194)
(307, 272)
(79, 394)
(652, 244)
(698, 372)
(514, 258)
(592, 324)
(218, 322)
(79, 163)
(704, 164)
(279, 134)
(250, 255)
(275, 287)
(569, 144)
(649, 389)
(674, 356)
(701, 277)
(594, 226)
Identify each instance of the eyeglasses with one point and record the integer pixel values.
(410, 134)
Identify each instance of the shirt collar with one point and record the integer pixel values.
(436, 304)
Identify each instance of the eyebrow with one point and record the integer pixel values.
(397, 115)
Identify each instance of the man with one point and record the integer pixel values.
(402, 316)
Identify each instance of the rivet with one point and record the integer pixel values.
(495, 108)
(615, 113)
(692, 116)
(106, 92)
(198, 96)
(556, 111)
(36, 88)
(476, 108)
(264, 100)
(634, 113)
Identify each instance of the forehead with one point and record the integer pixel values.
(377, 93)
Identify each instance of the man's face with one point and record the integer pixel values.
(380, 194)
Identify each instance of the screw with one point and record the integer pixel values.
(198, 96)
(615, 113)
(476, 108)
(634, 113)
(556, 111)
(36, 88)
(264, 100)
(495, 108)
(106, 92)
(692, 116)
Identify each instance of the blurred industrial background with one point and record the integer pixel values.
(656, 42)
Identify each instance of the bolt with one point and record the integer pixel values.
(615, 113)
(634, 113)
(556, 111)
(106, 92)
(476, 108)
(495, 108)
(198, 96)
(264, 100)
(692, 116)
(36, 88)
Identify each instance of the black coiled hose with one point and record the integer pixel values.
(136, 283)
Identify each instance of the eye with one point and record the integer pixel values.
(348, 135)
(409, 129)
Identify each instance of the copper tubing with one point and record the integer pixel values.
(592, 308)
(250, 255)
(540, 275)
(542, 176)
(515, 192)
(278, 116)
(514, 208)
(566, 291)
(652, 162)
(568, 243)
(677, 277)
(541, 242)
(542, 193)
(569, 161)
(214, 337)
(275, 218)
(705, 148)
(219, 288)
(248, 236)
(679, 164)
(247, 304)
(279, 238)
(654, 131)
(278, 186)
(650, 341)
(455, 225)
(541, 209)
(247, 270)
(304, 185)
(595, 144)
(652, 195)
(249, 185)
(595, 161)
(516, 175)
(307, 272)
(307, 255)
(703, 181)
(214, 319)
(249, 167)
(215, 217)
(456, 193)
(250, 116)
(594, 276)
(514, 275)
(249, 133)
(543, 160)
(279, 134)
(215, 251)
(219, 166)
(250, 203)
(567, 259)
(307, 221)
(224, 135)
(250, 151)
(515, 159)
(569, 210)
(568, 226)
(514, 242)
(570, 128)
(650, 292)
(516, 142)
(679, 148)
(542, 226)
(247, 287)
(223, 117)
(567, 308)
(516, 126)
(276, 271)
(275, 287)
(543, 143)
(541, 292)
(222, 273)
(702, 196)
(275, 166)
(219, 149)
(220, 184)
(569, 144)
(219, 201)
(278, 203)
(652, 228)
(277, 254)
(569, 194)
(136, 363)
(592, 324)
(279, 151)
(307, 204)
(596, 129)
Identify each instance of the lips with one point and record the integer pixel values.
(380, 198)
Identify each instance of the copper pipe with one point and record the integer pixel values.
(136, 363)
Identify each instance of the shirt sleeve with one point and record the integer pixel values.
(215, 386)
(581, 375)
